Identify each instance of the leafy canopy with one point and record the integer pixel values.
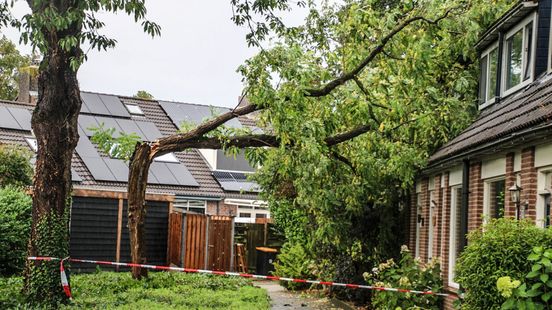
(11, 61)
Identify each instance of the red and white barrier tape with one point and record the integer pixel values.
(224, 273)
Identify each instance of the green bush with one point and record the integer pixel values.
(409, 274)
(15, 167)
(162, 290)
(536, 291)
(15, 224)
(294, 262)
(498, 249)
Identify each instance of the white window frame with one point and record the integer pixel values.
(430, 227)
(487, 198)
(453, 256)
(544, 175)
(184, 205)
(486, 53)
(134, 109)
(520, 26)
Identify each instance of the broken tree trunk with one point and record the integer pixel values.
(137, 181)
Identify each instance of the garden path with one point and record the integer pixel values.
(281, 299)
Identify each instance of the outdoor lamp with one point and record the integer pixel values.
(515, 195)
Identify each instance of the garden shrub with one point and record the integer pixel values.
(15, 167)
(15, 224)
(294, 262)
(500, 248)
(536, 291)
(409, 274)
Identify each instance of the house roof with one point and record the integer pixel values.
(190, 176)
(510, 121)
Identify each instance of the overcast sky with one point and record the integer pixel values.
(194, 60)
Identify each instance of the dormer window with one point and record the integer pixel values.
(518, 58)
(487, 86)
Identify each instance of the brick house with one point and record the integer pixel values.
(501, 165)
(178, 182)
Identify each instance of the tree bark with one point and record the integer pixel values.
(137, 180)
(54, 123)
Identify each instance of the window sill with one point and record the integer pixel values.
(487, 104)
(517, 87)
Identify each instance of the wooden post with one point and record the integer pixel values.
(265, 239)
(207, 241)
(119, 230)
(232, 247)
(183, 240)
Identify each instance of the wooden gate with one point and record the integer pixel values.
(221, 235)
(200, 241)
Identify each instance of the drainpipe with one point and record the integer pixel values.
(464, 204)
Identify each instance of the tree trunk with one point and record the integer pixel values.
(137, 181)
(54, 123)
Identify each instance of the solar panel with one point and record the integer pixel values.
(22, 116)
(240, 186)
(239, 163)
(84, 107)
(235, 181)
(163, 174)
(150, 130)
(114, 105)
(85, 147)
(196, 114)
(98, 168)
(151, 177)
(129, 126)
(94, 104)
(7, 120)
(182, 174)
(118, 168)
(109, 122)
(86, 122)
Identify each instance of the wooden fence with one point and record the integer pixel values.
(201, 241)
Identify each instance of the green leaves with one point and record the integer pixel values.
(120, 147)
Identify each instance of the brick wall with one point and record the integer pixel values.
(436, 222)
(223, 209)
(475, 201)
(529, 182)
(413, 221)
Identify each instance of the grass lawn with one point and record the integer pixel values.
(162, 290)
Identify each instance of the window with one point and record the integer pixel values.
(487, 86)
(134, 109)
(518, 49)
(32, 144)
(245, 214)
(260, 215)
(455, 232)
(494, 201)
(167, 158)
(195, 206)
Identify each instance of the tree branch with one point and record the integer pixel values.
(330, 86)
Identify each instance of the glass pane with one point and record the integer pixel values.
(493, 61)
(496, 206)
(245, 214)
(547, 211)
(196, 203)
(513, 63)
(483, 80)
(528, 52)
(260, 216)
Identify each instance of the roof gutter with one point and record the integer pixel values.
(500, 22)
